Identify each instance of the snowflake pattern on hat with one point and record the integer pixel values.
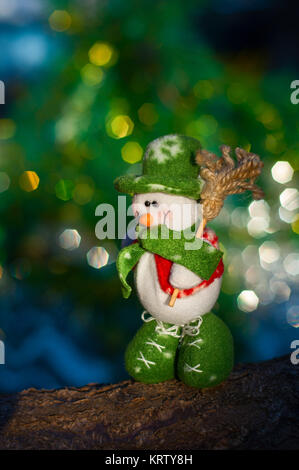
(163, 148)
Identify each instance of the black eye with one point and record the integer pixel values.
(147, 203)
(155, 204)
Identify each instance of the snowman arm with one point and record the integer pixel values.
(182, 278)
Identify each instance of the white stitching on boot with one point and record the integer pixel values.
(146, 362)
(199, 340)
(188, 368)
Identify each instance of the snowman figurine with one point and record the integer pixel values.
(178, 274)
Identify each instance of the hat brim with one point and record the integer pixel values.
(134, 184)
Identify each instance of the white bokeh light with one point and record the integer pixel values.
(289, 199)
(239, 217)
(97, 257)
(250, 255)
(257, 226)
(264, 293)
(248, 301)
(69, 239)
(269, 252)
(259, 209)
(286, 216)
(293, 316)
(282, 172)
(291, 264)
(281, 290)
(253, 276)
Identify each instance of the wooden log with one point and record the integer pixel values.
(256, 408)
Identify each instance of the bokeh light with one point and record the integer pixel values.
(275, 143)
(92, 75)
(295, 224)
(20, 268)
(205, 126)
(269, 116)
(293, 316)
(97, 257)
(204, 89)
(102, 54)
(269, 252)
(7, 129)
(291, 264)
(289, 199)
(282, 172)
(239, 217)
(248, 301)
(83, 193)
(286, 216)
(147, 114)
(131, 152)
(69, 239)
(257, 227)
(64, 189)
(250, 255)
(60, 20)
(259, 209)
(237, 93)
(281, 290)
(29, 181)
(4, 182)
(120, 126)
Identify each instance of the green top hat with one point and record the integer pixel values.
(168, 167)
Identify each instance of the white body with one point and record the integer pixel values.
(154, 300)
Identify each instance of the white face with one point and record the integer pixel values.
(176, 212)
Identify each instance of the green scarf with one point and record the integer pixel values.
(202, 259)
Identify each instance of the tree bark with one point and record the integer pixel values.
(256, 408)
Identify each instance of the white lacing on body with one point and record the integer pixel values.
(158, 346)
(148, 319)
(192, 328)
(161, 329)
(172, 330)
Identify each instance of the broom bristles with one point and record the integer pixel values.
(223, 177)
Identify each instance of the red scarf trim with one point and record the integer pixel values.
(163, 267)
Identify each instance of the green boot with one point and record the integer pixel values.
(206, 358)
(150, 356)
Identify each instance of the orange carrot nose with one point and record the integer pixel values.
(146, 219)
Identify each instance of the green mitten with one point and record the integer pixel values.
(150, 356)
(206, 359)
